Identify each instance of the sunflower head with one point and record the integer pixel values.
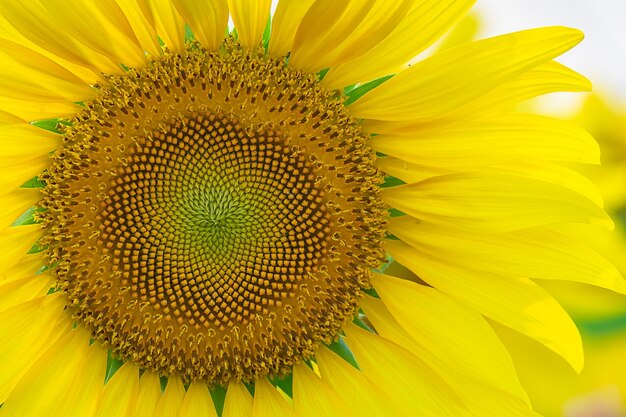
(289, 212)
(215, 214)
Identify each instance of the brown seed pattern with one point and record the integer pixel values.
(214, 215)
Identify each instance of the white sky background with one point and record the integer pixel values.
(601, 57)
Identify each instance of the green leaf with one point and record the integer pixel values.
(285, 383)
(371, 291)
(322, 73)
(113, 364)
(163, 380)
(28, 217)
(359, 91)
(189, 36)
(382, 268)
(341, 348)
(36, 248)
(34, 183)
(218, 394)
(394, 212)
(267, 33)
(348, 89)
(391, 182)
(362, 325)
(47, 124)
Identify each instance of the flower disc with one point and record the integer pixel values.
(214, 215)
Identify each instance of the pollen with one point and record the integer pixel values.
(214, 215)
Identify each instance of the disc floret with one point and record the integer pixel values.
(213, 215)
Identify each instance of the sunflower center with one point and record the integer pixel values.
(214, 215)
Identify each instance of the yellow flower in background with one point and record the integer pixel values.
(608, 126)
(287, 220)
(600, 389)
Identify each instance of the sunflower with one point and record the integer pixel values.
(286, 219)
(599, 314)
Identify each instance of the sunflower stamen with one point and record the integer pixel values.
(224, 237)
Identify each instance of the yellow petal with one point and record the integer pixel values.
(535, 253)
(559, 175)
(120, 393)
(9, 119)
(456, 334)
(604, 370)
(609, 178)
(238, 401)
(101, 26)
(547, 172)
(197, 402)
(388, 327)
(24, 142)
(285, 22)
(26, 331)
(208, 20)
(28, 266)
(480, 399)
(24, 153)
(149, 395)
(346, 30)
(67, 378)
(506, 297)
(28, 75)
(393, 334)
(25, 289)
(408, 172)
(16, 173)
(34, 22)
(465, 31)
(414, 387)
(15, 203)
(250, 18)
(548, 77)
(489, 401)
(142, 27)
(323, 27)
(432, 17)
(167, 22)
(459, 75)
(382, 18)
(172, 398)
(312, 398)
(360, 395)
(494, 203)
(21, 142)
(15, 242)
(87, 386)
(268, 402)
(497, 140)
(608, 307)
(36, 110)
(81, 70)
